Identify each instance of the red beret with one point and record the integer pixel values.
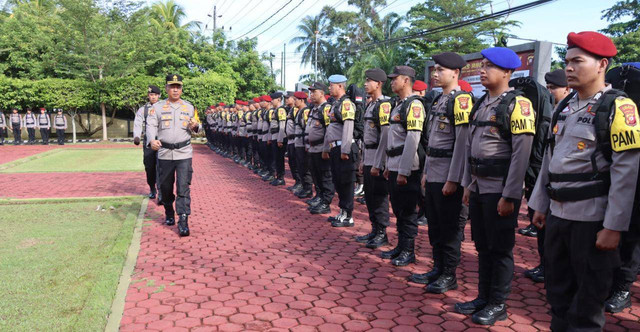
(300, 95)
(242, 102)
(465, 86)
(592, 42)
(266, 98)
(256, 99)
(327, 96)
(222, 104)
(419, 85)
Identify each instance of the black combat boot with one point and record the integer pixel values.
(365, 238)
(393, 253)
(490, 314)
(618, 301)
(153, 193)
(536, 274)
(169, 219)
(346, 221)
(446, 282)
(320, 208)
(407, 256)
(183, 225)
(471, 307)
(313, 200)
(379, 240)
(429, 277)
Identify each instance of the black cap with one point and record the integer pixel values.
(449, 60)
(318, 86)
(402, 70)
(276, 95)
(556, 77)
(174, 79)
(376, 74)
(153, 89)
(289, 94)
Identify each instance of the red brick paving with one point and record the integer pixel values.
(257, 260)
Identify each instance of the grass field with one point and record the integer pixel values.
(60, 261)
(78, 160)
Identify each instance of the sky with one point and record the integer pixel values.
(551, 22)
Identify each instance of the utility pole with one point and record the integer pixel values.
(214, 18)
(271, 56)
(284, 67)
(281, 69)
(315, 69)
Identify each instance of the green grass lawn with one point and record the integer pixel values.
(78, 160)
(60, 262)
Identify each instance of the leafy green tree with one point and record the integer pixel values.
(170, 16)
(625, 33)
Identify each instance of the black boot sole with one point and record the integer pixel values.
(441, 290)
(403, 263)
(489, 322)
(377, 245)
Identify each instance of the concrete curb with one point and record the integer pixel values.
(117, 307)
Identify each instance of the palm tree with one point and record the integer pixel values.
(307, 39)
(169, 16)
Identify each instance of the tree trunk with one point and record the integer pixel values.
(103, 109)
(73, 126)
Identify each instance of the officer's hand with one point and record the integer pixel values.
(360, 169)
(375, 171)
(325, 155)
(607, 240)
(449, 188)
(423, 181)
(505, 207)
(279, 144)
(193, 124)
(386, 174)
(401, 180)
(268, 142)
(155, 145)
(344, 156)
(465, 196)
(136, 140)
(539, 219)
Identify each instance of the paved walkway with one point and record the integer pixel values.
(257, 260)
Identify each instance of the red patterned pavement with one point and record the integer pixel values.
(257, 260)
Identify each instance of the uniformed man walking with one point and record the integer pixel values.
(403, 165)
(376, 128)
(586, 186)
(29, 122)
(150, 156)
(320, 167)
(60, 125)
(15, 124)
(172, 122)
(44, 124)
(498, 157)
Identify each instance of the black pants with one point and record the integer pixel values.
(627, 273)
(376, 195)
(293, 162)
(150, 160)
(322, 173)
(180, 172)
(278, 157)
(403, 203)
(357, 158)
(578, 276)
(443, 216)
(256, 151)
(60, 134)
(267, 157)
(2, 133)
(242, 148)
(17, 134)
(249, 148)
(32, 134)
(343, 173)
(303, 168)
(494, 237)
(44, 133)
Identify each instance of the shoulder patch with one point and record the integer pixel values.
(305, 115)
(282, 114)
(384, 113)
(462, 108)
(325, 114)
(523, 117)
(625, 132)
(348, 110)
(415, 116)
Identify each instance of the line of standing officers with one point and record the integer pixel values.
(42, 121)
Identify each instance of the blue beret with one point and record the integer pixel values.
(632, 64)
(337, 78)
(502, 57)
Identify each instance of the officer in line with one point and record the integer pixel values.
(172, 122)
(290, 137)
(320, 167)
(300, 122)
(583, 195)
(241, 131)
(60, 125)
(259, 135)
(44, 124)
(149, 156)
(420, 89)
(268, 174)
(376, 190)
(210, 127)
(277, 121)
(448, 131)
(15, 124)
(29, 122)
(248, 139)
(3, 127)
(339, 147)
(255, 125)
(498, 158)
(403, 165)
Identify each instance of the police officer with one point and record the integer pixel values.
(255, 125)
(420, 89)
(320, 167)
(149, 156)
(171, 121)
(498, 158)
(29, 122)
(15, 124)
(403, 165)
(268, 174)
(3, 126)
(248, 140)
(376, 190)
(584, 186)
(277, 119)
(299, 123)
(44, 124)
(339, 147)
(60, 125)
(290, 136)
(448, 130)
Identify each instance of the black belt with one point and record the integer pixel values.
(274, 130)
(175, 146)
(371, 146)
(291, 136)
(579, 177)
(394, 152)
(484, 123)
(300, 135)
(316, 142)
(578, 194)
(489, 167)
(439, 153)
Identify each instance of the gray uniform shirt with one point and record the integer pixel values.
(289, 127)
(15, 120)
(260, 124)
(372, 130)
(29, 121)
(408, 136)
(445, 135)
(169, 122)
(3, 123)
(242, 124)
(43, 121)
(340, 131)
(59, 122)
(255, 120)
(316, 127)
(486, 143)
(300, 123)
(266, 135)
(139, 122)
(575, 143)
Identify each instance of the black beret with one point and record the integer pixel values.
(276, 95)
(376, 74)
(174, 79)
(154, 89)
(289, 94)
(449, 60)
(318, 86)
(402, 70)
(556, 77)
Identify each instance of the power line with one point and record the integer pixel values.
(238, 15)
(263, 22)
(288, 25)
(271, 26)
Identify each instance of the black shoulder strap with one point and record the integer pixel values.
(602, 121)
(502, 113)
(403, 109)
(551, 139)
(475, 107)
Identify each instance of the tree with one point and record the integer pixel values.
(170, 16)
(307, 39)
(625, 34)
